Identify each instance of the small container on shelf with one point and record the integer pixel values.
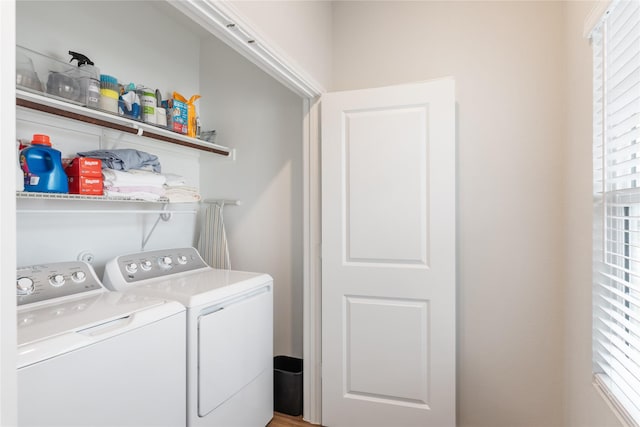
(129, 104)
(109, 93)
(148, 104)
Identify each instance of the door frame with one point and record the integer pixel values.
(8, 349)
(226, 22)
(312, 268)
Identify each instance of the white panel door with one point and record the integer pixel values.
(388, 256)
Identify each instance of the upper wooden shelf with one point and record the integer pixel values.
(61, 108)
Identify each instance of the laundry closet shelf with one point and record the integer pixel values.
(104, 119)
(164, 202)
(66, 196)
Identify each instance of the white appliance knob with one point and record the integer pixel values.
(165, 261)
(56, 280)
(25, 286)
(182, 259)
(131, 268)
(146, 265)
(78, 276)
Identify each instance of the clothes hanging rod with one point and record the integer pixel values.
(223, 202)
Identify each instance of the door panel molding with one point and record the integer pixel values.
(389, 226)
(366, 336)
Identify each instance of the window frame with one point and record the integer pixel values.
(616, 238)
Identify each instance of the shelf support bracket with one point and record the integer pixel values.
(162, 216)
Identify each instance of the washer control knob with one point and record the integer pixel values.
(131, 267)
(56, 280)
(78, 276)
(182, 259)
(25, 286)
(165, 262)
(146, 265)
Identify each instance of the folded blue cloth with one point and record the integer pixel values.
(124, 159)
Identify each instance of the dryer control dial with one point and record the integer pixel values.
(182, 259)
(132, 267)
(165, 262)
(146, 265)
(78, 276)
(56, 280)
(25, 286)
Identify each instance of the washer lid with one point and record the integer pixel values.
(201, 287)
(50, 329)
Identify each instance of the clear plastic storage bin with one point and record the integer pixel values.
(48, 76)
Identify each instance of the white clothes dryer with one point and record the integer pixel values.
(229, 331)
(91, 357)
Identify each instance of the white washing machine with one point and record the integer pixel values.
(229, 331)
(91, 357)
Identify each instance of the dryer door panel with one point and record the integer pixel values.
(235, 346)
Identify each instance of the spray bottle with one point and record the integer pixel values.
(89, 78)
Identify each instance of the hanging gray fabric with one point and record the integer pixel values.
(213, 238)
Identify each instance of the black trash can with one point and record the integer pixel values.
(287, 385)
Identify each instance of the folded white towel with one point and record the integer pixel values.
(174, 180)
(133, 177)
(182, 194)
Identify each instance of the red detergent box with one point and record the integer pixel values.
(84, 167)
(86, 185)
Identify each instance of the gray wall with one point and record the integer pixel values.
(55, 27)
(262, 120)
(252, 113)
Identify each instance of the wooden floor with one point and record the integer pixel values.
(283, 420)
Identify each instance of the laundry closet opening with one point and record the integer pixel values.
(259, 119)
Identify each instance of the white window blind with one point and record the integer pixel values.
(616, 167)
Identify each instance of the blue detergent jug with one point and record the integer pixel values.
(42, 166)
